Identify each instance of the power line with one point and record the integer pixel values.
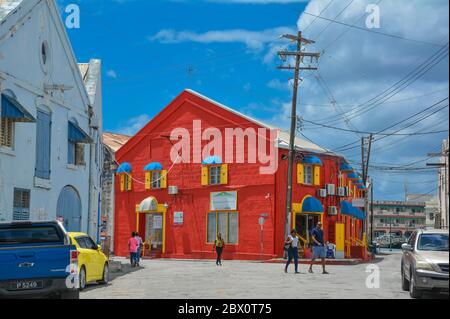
(373, 31)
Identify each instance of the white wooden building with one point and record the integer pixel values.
(51, 121)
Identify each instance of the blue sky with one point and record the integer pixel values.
(152, 50)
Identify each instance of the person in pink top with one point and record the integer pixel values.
(133, 245)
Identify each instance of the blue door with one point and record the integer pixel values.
(69, 209)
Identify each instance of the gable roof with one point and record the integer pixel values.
(282, 140)
(6, 6)
(115, 141)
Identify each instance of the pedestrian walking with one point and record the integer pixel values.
(139, 250)
(319, 248)
(291, 245)
(219, 245)
(133, 248)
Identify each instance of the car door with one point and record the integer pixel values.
(97, 259)
(409, 255)
(86, 258)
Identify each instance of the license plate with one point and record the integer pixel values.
(27, 285)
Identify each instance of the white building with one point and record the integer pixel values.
(431, 207)
(51, 111)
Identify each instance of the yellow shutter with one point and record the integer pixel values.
(148, 180)
(163, 179)
(224, 174)
(122, 182)
(205, 176)
(130, 182)
(317, 175)
(300, 173)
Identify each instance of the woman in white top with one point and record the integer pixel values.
(291, 244)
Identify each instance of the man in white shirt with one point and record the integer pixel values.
(291, 244)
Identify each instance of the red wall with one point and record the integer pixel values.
(257, 193)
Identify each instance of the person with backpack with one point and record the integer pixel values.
(291, 245)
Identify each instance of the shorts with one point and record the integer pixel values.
(319, 252)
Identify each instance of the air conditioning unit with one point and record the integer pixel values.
(322, 193)
(331, 189)
(173, 190)
(341, 191)
(332, 210)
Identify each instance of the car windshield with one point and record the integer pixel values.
(29, 235)
(433, 242)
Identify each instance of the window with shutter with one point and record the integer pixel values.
(79, 154)
(43, 145)
(21, 210)
(6, 133)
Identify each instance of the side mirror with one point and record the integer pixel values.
(407, 247)
(99, 247)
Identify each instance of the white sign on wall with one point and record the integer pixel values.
(178, 218)
(224, 201)
(359, 202)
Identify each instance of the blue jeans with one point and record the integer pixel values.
(133, 258)
(292, 254)
(138, 254)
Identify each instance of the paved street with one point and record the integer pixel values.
(170, 279)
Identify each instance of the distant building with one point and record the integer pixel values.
(396, 217)
(50, 111)
(431, 206)
(112, 142)
(443, 218)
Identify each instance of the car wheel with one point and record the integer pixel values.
(82, 278)
(405, 282)
(105, 277)
(413, 291)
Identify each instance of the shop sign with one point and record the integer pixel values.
(178, 218)
(224, 201)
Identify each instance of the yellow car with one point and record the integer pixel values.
(92, 262)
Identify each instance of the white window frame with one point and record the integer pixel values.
(308, 176)
(215, 179)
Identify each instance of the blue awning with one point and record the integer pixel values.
(313, 160)
(12, 109)
(345, 167)
(358, 182)
(312, 205)
(155, 166)
(358, 213)
(77, 135)
(124, 168)
(353, 176)
(212, 160)
(361, 187)
(346, 208)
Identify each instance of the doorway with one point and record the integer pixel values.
(304, 224)
(154, 231)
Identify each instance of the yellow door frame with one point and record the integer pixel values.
(161, 209)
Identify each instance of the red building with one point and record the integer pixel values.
(179, 198)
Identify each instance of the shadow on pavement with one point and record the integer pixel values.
(126, 269)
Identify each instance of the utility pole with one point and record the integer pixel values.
(371, 211)
(366, 147)
(299, 55)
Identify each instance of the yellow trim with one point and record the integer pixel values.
(148, 180)
(300, 173)
(317, 170)
(224, 174)
(205, 175)
(163, 181)
(122, 182)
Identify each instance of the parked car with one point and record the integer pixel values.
(92, 262)
(425, 262)
(37, 260)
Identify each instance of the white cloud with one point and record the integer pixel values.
(134, 125)
(111, 74)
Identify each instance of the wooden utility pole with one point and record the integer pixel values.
(366, 147)
(299, 59)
